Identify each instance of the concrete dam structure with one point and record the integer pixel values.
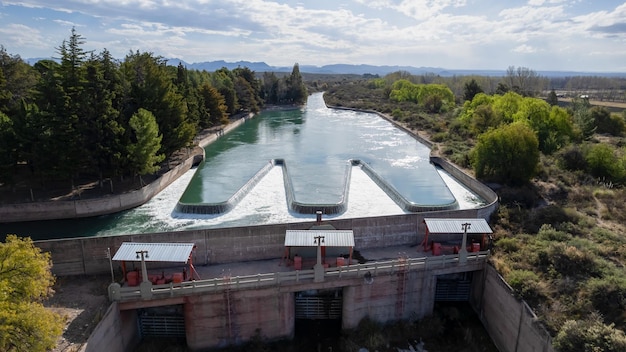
(228, 311)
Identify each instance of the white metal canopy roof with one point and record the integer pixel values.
(332, 238)
(157, 252)
(479, 226)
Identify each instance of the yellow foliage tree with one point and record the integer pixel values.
(25, 281)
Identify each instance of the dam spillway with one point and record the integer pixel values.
(316, 143)
(266, 202)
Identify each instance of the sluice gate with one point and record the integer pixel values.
(314, 305)
(159, 322)
(453, 287)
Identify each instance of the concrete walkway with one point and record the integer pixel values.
(212, 271)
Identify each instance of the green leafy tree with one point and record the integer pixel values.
(484, 118)
(25, 281)
(508, 154)
(507, 105)
(552, 124)
(144, 152)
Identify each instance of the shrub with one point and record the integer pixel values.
(507, 245)
(603, 163)
(567, 261)
(608, 296)
(590, 334)
(527, 284)
(606, 122)
(572, 158)
(551, 214)
(549, 233)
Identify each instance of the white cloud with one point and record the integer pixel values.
(18, 35)
(418, 32)
(524, 49)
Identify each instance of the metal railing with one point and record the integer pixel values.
(125, 294)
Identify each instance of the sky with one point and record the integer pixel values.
(560, 35)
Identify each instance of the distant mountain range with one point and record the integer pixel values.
(364, 69)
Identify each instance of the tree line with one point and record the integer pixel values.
(88, 114)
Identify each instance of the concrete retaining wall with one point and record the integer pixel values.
(96, 206)
(510, 322)
(116, 332)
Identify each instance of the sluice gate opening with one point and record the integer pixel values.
(319, 304)
(318, 320)
(453, 287)
(166, 321)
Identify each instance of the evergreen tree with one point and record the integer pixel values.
(552, 99)
(8, 150)
(223, 81)
(470, 89)
(214, 106)
(18, 81)
(151, 88)
(270, 88)
(46, 126)
(101, 131)
(247, 88)
(297, 92)
(68, 110)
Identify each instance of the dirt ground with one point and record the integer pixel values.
(82, 302)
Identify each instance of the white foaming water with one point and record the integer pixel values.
(266, 204)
